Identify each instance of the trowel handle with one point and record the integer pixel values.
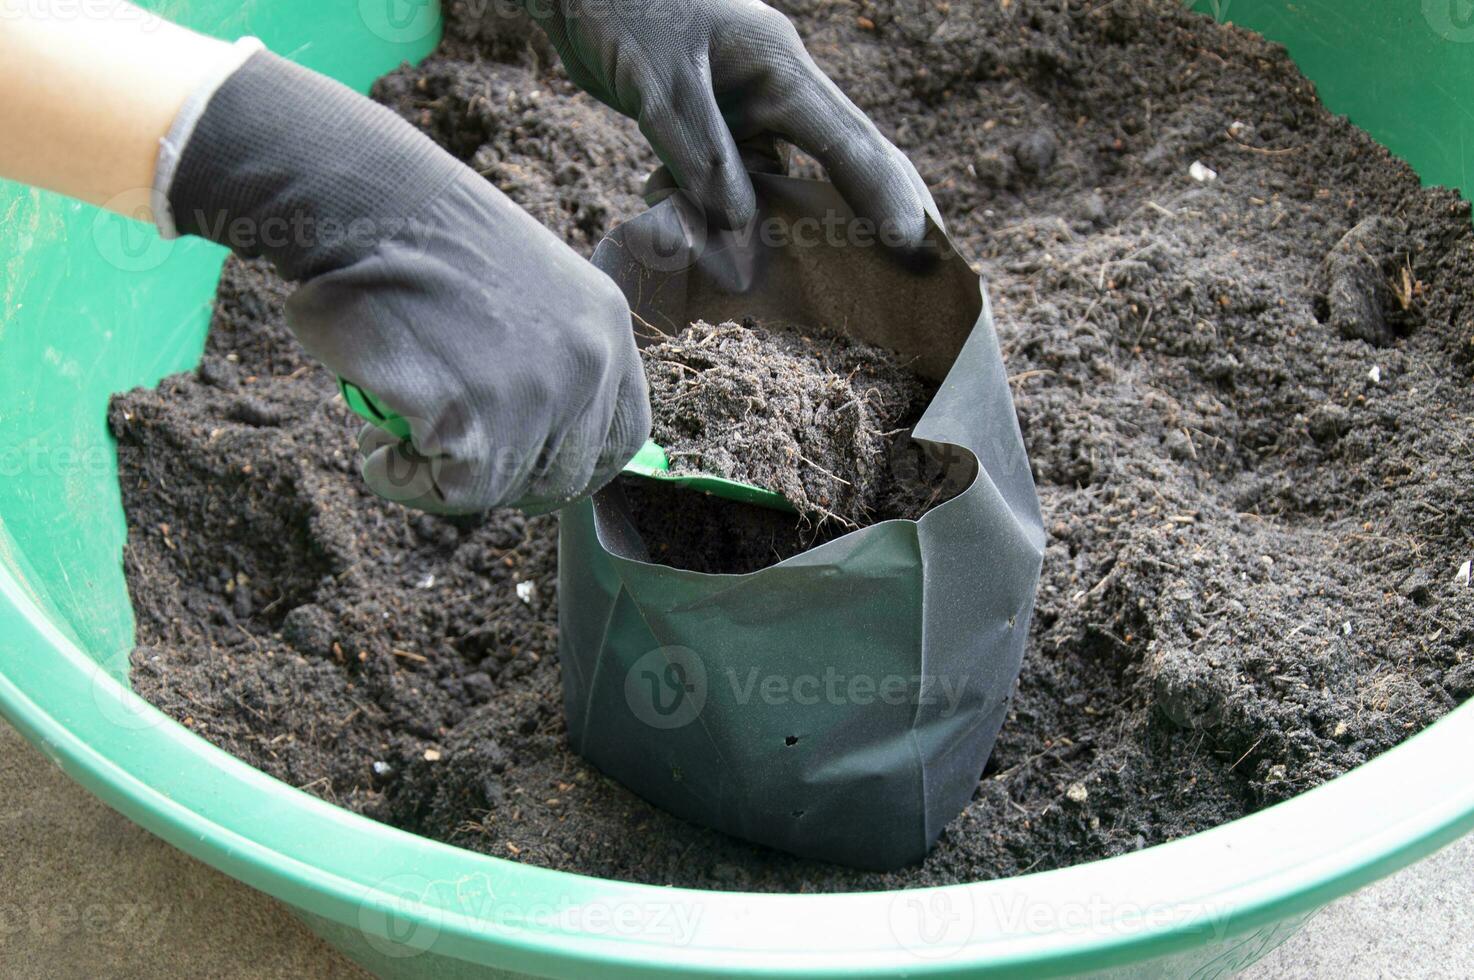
(650, 462)
(367, 407)
(650, 458)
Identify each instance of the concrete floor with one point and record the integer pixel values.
(1419, 923)
(84, 893)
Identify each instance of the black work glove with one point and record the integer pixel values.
(511, 357)
(705, 76)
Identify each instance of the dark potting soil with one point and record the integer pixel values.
(817, 418)
(1248, 404)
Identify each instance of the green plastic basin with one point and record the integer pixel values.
(92, 306)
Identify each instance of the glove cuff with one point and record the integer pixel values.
(173, 143)
(288, 164)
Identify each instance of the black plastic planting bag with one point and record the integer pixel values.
(840, 704)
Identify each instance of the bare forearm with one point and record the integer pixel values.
(87, 99)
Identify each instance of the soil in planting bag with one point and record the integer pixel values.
(840, 704)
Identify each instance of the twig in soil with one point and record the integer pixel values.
(238, 703)
(1245, 755)
(821, 469)
(931, 500)
(418, 658)
(1151, 310)
(684, 367)
(255, 643)
(366, 710)
(1267, 151)
(655, 332)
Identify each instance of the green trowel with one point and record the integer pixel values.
(651, 462)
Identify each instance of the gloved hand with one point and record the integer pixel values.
(512, 358)
(705, 76)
